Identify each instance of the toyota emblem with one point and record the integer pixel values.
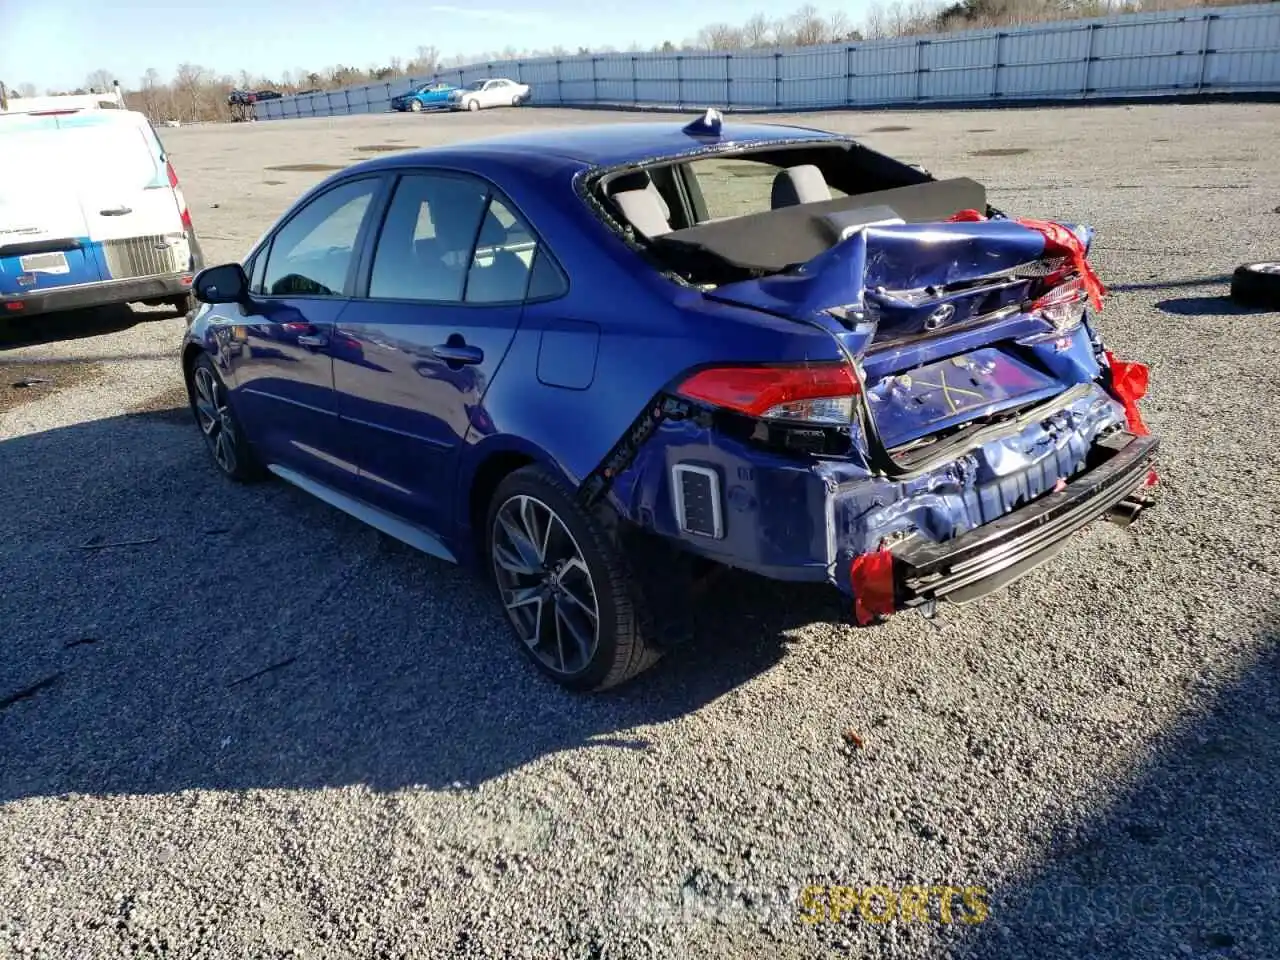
(940, 316)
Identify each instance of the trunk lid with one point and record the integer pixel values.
(929, 313)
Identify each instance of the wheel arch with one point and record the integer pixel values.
(485, 466)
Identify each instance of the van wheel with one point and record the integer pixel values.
(564, 584)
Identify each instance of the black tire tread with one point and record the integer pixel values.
(1253, 288)
(633, 654)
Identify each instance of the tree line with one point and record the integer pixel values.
(198, 93)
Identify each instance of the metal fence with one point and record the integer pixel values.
(1212, 50)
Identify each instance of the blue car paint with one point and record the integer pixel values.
(426, 97)
(576, 370)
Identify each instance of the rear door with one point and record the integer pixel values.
(44, 236)
(129, 203)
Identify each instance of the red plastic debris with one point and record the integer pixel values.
(1152, 479)
(871, 575)
(1129, 384)
(1058, 241)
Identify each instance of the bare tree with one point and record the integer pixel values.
(719, 36)
(838, 27)
(189, 82)
(757, 32)
(808, 29)
(100, 81)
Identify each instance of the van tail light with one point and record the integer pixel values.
(1063, 305)
(177, 192)
(816, 393)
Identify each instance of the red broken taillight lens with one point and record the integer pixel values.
(1063, 305)
(818, 393)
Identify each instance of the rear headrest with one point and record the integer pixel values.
(644, 210)
(639, 180)
(802, 184)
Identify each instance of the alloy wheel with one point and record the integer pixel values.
(214, 417)
(545, 585)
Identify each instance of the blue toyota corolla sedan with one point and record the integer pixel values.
(600, 362)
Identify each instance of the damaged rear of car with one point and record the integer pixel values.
(958, 422)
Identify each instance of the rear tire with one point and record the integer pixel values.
(1257, 285)
(564, 584)
(224, 438)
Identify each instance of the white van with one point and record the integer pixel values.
(90, 213)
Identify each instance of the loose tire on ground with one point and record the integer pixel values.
(1257, 285)
(519, 533)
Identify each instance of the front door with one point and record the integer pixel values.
(282, 364)
(447, 280)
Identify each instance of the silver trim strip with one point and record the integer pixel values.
(414, 536)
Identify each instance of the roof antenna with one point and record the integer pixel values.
(708, 125)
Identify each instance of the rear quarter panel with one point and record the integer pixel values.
(583, 367)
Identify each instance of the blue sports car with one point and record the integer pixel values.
(429, 96)
(601, 362)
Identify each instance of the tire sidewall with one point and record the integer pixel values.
(593, 541)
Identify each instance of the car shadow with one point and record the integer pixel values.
(1181, 863)
(1205, 307)
(170, 630)
(19, 331)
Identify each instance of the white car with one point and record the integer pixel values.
(496, 92)
(90, 213)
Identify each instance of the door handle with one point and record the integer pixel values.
(458, 353)
(312, 340)
(116, 211)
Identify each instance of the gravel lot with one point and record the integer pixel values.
(1098, 746)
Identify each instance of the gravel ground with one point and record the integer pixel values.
(269, 729)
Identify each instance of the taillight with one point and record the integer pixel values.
(1064, 305)
(177, 193)
(818, 393)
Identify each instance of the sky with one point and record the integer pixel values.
(57, 43)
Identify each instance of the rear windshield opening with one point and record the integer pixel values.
(724, 216)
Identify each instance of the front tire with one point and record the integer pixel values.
(473, 105)
(223, 436)
(416, 106)
(564, 584)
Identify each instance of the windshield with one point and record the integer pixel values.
(120, 159)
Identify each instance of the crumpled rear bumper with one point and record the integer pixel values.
(993, 555)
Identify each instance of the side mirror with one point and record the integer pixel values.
(225, 283)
